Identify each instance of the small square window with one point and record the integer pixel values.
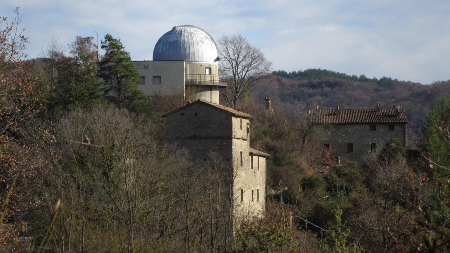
(326, 146)
(142, 80)
(349, 147)
(373, 127)
(207, 71)
(156, 79)
(391, 127)
(373, 147)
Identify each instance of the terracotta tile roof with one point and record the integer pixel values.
(321, 168)
(357, 116)
(216, 106)
(258, 153)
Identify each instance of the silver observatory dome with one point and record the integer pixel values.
(185, 43)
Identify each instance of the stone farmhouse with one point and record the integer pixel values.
(185, 65)
(353, 133)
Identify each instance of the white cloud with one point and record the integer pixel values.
(404, 39)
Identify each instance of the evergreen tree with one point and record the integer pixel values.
(435, 132)
(337, 234)
(120, 77)
(68, 81)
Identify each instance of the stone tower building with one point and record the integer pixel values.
(206, 128)
(185, 64)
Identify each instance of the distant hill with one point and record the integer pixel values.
(298, 91)
(313, 74)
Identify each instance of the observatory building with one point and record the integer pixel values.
(185, 63)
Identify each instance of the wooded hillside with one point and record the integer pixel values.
(298, 91)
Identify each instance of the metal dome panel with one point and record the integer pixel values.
(185, 43)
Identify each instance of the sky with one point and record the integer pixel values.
(403, 39)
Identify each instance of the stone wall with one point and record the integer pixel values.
(249, 188)
(362, 137)
(199, 121)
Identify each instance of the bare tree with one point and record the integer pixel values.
(241, 65)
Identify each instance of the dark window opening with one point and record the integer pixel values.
(252, 162)
(241, 124)
(242, 194)
(349, 147)
(326, 146)
(142, 80)
(373, 147)
(373, 127)
(252, 196)
(257, 194)
(242, 161)
(391, 127)
(156, 79)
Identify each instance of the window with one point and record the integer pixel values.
(257, 194)
(156, 79)
(252, 196)
(241, 124)
(373, 147)
(142, 80)
(373, 127)
(252, 162)
(242, 161)
(391, 127)
(349, 147)
(207, 71)
(242, 194)
(326, 146)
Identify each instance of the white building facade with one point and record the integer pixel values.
(185, 63)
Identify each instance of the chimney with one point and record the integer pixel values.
(398, 112)
(338, 110)
(378, 107)
(268, 102)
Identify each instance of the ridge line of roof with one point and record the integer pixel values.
(214, 105)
